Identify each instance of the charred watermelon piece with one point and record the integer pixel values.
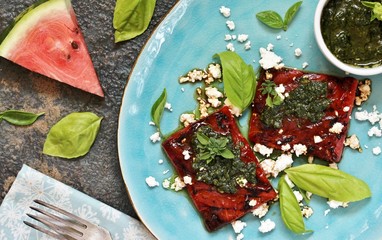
(46, 39)
(218, 208)
(319, 136)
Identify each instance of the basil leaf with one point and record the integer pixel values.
(329, 183)
(271, 19)
(376, 9)
(290, 209)
(158, 107)
(239, 79)
(73, 135)
(19, 118)
(131, 18)
(289, 15)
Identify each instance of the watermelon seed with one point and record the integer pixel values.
(74, 45)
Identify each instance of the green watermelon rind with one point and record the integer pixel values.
(5, 32)
(26, 20)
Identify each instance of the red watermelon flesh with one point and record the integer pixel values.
(48, 40)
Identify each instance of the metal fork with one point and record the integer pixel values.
(69, 226)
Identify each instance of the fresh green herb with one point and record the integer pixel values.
(329, 183)
(131, 18)
(239, 79)
(274, 20)
(210, 147)
(290, 209)
(269, 89)
(73, 135)
(19, 118)
(376, 9)
(158, 107)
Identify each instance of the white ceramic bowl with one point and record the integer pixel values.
(325, 50)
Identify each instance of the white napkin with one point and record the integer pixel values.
(31, 184)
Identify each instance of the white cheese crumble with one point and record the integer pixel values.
(187, 118)
(285, 147)
(269, 59)
(155, 137)
(252, 203)
(280, 90)
(288, 181)
(215, 70)
(267, 226)
(230, 47)
(305, 65)
(352, 142)
(233, 109)
(336, 128)
(151, 123)
(283, 162)
(300, 149)
(247, 45)
(168, 106)
(160, 161)
(373, 117)
(278, 37)
(186, 154)
(377, 150)
(317, 139)
(238, 226)
(297, 52)
(187, 180)
(298, 196)
(240, 236)
(242, 38)
(151, 182)
(346, 109)
(307, 212)
(178, 184)
(228, 37)
(262, 149)
(261, 211)
(336, 204)
(230, 25)
(226, 12)
(374, 131)
(213, 95)
(166, 184)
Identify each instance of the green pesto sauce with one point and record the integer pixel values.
(349, 33)
(308, 101)
(226, 174)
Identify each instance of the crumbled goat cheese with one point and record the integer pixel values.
(234, 37)
(247, 45)
(166, 171)
(298, 196)
(326, 212)
(317, 139)
(228, 37)
(213, 94)
(252, 203)
(203, 107)
(267, 226)
(373, 117)
(307, 212)
(268, 166)
(285, 147)
(352, 142)
(178, 184)
(160, 161)
(186, 154)
(187, 180)
(376, 150)
(215, 70)
(305, 65)
(364, 88)
(238, 226)
(282, 162)
(151, 123)
(374, 131)
(270, 47)
(269, 59)
(310, 159)
(151, 182)
(261, 211)
(168, 106)
(333, 165)
(262, 149)
(226, 12)
(242, 38)
(187, 118)
(336, 128)
(230, 47)
(336, 204)
(241, 181)
(240, 236)
(233, 109)
(280, 90)
(288, 181)
(346, 109)
(155, 137)
(299, 149)
(297, 52)
(166, 184)
(230, 25)
(182, 89)
(278, 37)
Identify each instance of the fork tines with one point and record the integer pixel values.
(67, 226)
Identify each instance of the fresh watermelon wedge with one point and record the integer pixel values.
(46, 39)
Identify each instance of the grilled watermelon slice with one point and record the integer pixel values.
(46, 39)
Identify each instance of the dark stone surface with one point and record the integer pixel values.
(98, 173)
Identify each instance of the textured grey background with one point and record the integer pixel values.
(98, 173)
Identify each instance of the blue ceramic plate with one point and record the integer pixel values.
(188, 38)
